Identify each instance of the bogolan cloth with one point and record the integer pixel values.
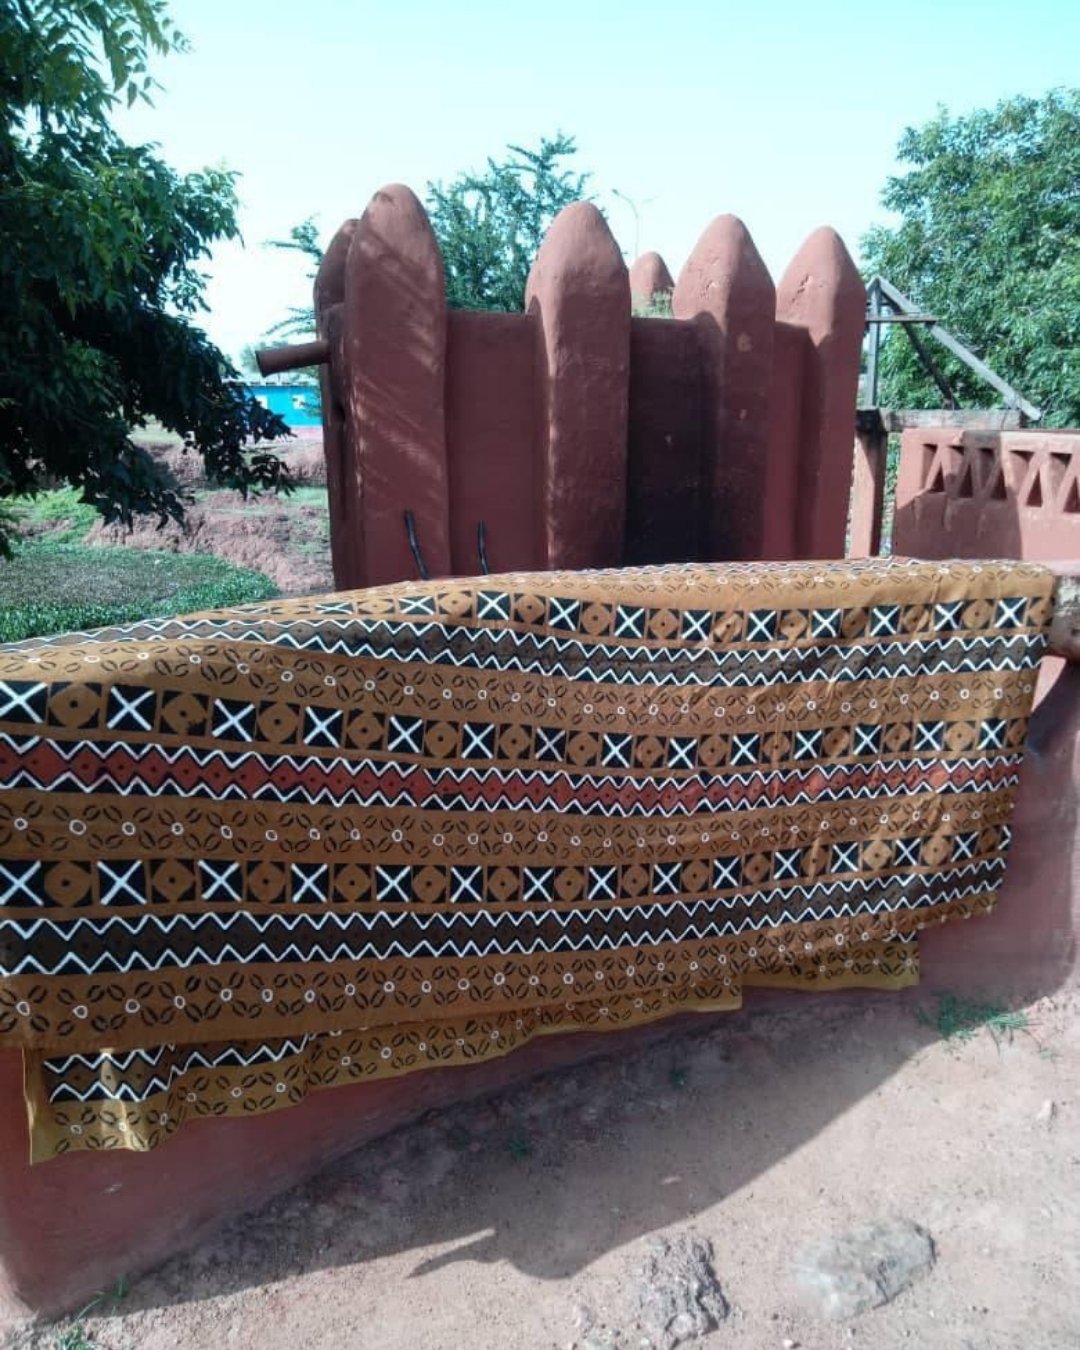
(311, 842)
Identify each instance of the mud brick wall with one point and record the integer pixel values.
(575, 435)
(988, 494)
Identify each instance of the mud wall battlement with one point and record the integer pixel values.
(574, 434)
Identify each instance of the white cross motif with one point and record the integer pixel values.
(122, 887)
(845, 858)
(928, 735)
(16, 889)
(884, 620)
(907, 852)
(602, 882)
(306, 878)
(466, 883)
(696, 624)
(825, 622)
(492, 605)
(964, 845)
(725, 872)
(549, 743)
(992, 736)
(321, 725)
(418, 604)
(866, 740)
(761, 625)
(948, 616)
(233, 720)
(807, 744)
(617, 751)
(564, 613)
(666, 878)
(744, 749)
(1011, 612)
(17, 700)
(406, 734)
(787, 864)
(392, 883)
(629, 622)
(219, 877)
(478, 741)
(681, 753)
(121, 706)
(538, 882)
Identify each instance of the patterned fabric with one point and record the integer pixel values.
(264, 850)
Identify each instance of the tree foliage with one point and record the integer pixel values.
(99, 285)
(489, 225)
(989, 242)
(299, 322)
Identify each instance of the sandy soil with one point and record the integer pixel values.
(523, 1222)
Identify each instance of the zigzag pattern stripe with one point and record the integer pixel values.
(239, 1056)
(572, 658)
(445, 787)
(603, 928)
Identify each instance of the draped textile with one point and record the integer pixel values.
(264, 850)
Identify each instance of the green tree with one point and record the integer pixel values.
(99, 283)
(489, 225)
(303, 239)
(989, 242)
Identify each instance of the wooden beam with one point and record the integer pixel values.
(964, 419)
(923, 352)
(275, 360)
(873, 347)
(911, 320)
(901, 303)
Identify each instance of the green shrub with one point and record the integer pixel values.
(62, 515)
(61, 588)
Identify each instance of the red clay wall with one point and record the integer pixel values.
(1010, 494)
(725, 435)
(495, 470)
(988, 494)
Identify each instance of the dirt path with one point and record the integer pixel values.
(524, 1222)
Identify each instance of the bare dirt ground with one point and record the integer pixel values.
(525, 1222)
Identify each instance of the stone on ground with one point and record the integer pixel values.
(863, 1268)
(679, 1297)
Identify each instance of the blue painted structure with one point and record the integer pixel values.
(296, 404)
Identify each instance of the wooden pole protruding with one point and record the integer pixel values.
(726, 291)
(294, 356)
(579, 295)
(822, 292)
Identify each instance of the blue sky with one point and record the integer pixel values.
(785, 113)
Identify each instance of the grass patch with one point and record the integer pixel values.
(309, 496)
(96, 587)
(960, 1019)
(73, 1335)
(61, 515)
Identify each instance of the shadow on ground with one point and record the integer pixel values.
(576, 1163)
